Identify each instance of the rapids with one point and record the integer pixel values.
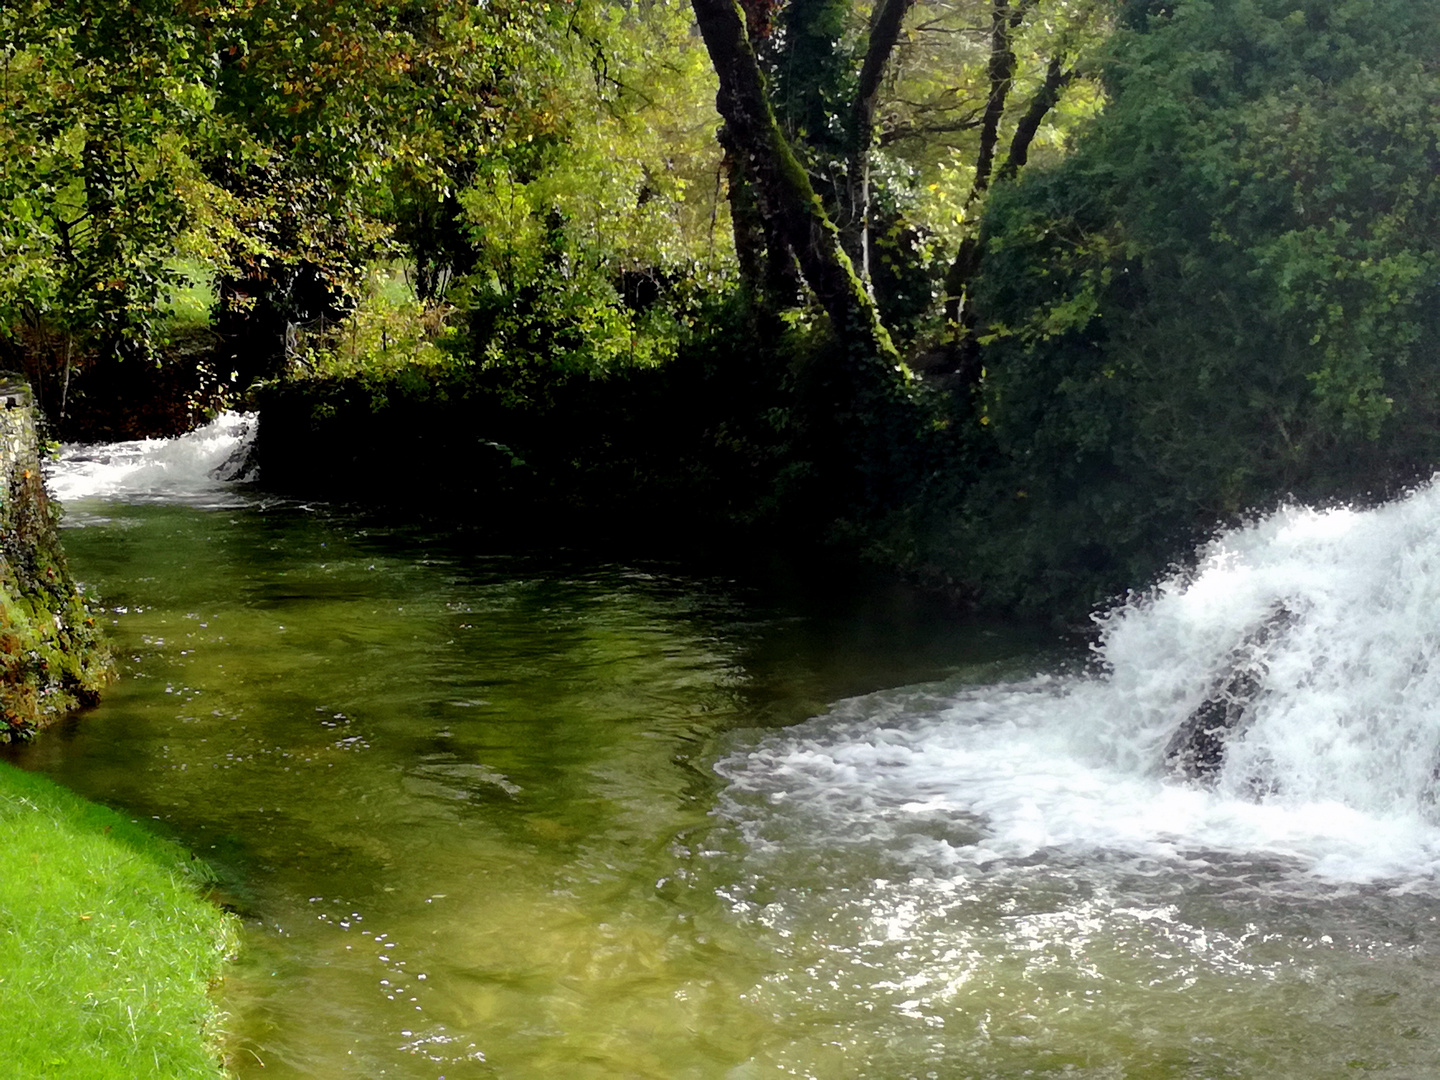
(1335, 769)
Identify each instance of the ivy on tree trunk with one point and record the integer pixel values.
(788, 198)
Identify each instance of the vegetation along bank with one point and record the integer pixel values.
(53, 657)
(107, 946)
(1018, 297)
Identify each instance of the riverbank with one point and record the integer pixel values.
(53, 657)
(107, 948)
(708, 459)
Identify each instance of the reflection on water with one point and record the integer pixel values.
(464, 803)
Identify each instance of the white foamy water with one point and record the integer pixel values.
(199, 467)
(1332, 772)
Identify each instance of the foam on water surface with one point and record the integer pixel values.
(199, 467)
(1333, 772)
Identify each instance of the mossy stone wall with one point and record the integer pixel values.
(53, 658)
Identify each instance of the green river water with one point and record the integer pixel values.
(461, 801)
(467, 806)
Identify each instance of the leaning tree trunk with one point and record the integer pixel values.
(959, 278)
(784, 189)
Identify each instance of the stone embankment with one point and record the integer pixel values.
(53, 658)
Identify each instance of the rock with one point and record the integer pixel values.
(1197, 749)
(53, 657)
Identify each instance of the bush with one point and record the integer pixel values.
(1226, 296)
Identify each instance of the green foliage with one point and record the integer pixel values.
(598, 217)
(330, 101)
(1225, 296)
(813, 66)
(191, 299)
(107, 950)
(388, 333)
(100, 109)
(930, 121)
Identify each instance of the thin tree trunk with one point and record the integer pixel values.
(1002, 74)
(1004, 20)
(885, 24)
(959, 316)
(785, 192)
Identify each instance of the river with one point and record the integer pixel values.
(491, 814)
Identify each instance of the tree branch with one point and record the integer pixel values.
(914, 131)
(1045, 99)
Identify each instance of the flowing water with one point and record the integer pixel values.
(497, 815)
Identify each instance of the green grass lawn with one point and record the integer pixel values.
(107, 950)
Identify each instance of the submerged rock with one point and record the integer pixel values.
(1197, 749)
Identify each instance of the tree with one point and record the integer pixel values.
(1225, 295)
(919, 95)
(102, 114)
(346, 118)
(790, 203)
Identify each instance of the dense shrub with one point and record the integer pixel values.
(1224, 297)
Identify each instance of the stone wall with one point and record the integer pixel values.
(53, 658)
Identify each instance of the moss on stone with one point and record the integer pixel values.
(53, 657)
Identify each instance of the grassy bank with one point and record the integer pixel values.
(107, 950)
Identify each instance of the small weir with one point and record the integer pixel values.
(530, 815)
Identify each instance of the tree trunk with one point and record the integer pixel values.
(786, 195)
(885, 25)
(767, 268)
(1005, 20)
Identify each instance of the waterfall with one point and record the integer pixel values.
(198, 467)
(1303, 651)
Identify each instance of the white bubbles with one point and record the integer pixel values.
(1333, 766)
(194, 468)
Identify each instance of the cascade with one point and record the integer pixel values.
(1281, 697)
(197, 467)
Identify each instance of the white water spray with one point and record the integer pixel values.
(199, 467)
(1333, 768)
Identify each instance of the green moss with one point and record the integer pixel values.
(107, 950)
(52, 655)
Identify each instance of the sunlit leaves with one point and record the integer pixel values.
(1234, 278)
(101, 107)
(611, 175)
(931, 111)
